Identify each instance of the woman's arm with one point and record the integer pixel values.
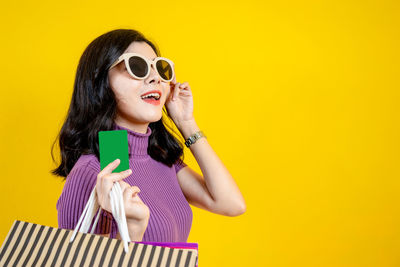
(217, 191)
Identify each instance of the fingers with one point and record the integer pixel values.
(135, 209)
(185, 89)
(107, 172)
(184, 86)
(129, 192)
(180, 87)
(106, 180)
(172, 84)
(117, 176)
(176, 91)
(110, 167)
(135, 190)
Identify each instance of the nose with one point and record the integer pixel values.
(153, 76)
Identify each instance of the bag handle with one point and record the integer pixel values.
(118, 212)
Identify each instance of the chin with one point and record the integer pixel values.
(155, 118)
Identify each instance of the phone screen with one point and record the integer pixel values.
(114, 145)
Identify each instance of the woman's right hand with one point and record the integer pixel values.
(135, 210)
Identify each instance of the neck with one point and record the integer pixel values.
(135, 127)
(137, 142)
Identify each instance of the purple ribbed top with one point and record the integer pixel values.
(170, 213)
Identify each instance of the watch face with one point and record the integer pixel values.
(192, 139)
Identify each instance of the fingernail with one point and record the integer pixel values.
(128, 171)
(116, 160)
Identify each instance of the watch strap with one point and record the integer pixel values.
(194, 137)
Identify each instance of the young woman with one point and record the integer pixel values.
(122, 83)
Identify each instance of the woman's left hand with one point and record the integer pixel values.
(179, 104)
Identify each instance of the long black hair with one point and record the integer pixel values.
(93, 106)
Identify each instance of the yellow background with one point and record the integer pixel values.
(299, 99)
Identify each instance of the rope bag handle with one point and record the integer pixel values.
(118, 211)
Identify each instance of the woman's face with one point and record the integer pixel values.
(128, 90)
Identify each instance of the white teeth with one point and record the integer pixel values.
(156, 95)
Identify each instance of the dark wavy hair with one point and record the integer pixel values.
(93, 106)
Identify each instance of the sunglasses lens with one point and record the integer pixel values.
(138, 66)
(164, 69)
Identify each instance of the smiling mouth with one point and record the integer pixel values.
(152, 97)
(155, 94)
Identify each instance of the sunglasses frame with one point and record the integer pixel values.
(126, 56)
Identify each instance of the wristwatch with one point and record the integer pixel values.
(194, 137)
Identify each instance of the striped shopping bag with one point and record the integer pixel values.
(29, 244)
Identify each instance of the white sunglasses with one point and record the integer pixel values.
(139, 66)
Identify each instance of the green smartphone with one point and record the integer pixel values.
(114, 145)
